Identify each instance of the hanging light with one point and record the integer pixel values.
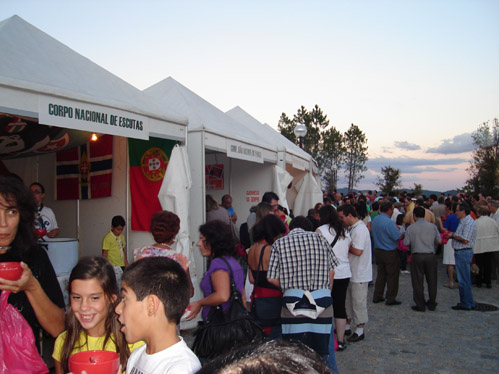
(94, 137)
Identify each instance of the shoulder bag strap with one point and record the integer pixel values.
(335, 240)
(233, 289)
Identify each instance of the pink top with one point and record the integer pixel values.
(152, 251)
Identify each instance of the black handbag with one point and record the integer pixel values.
(266, 310)
(228, 329)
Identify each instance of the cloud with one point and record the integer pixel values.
(408, 165)
(459, 144)
(386, 150)
(407, 146)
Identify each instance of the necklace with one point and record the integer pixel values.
(164, 244)
(5, 248)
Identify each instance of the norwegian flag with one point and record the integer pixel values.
(85, 172)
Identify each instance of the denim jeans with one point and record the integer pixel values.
(331, 358)
(463, 260)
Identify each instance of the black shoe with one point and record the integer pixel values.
(342, 346)
(348, 332)
(431, 307)
(394, 302)
(375, 301)
(489, 285)
(460, 307)
(355, 338)
(418, 309)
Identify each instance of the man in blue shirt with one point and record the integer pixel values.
(386, 237)
(227, 204)
(463, 241)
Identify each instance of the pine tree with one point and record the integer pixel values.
(389, 180)
(355, 142)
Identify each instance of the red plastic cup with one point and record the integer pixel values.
(40, 233)
(10, 270)
(94, 362)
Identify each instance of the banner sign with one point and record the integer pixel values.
(244, 151)
(94, 118)
(214, 177)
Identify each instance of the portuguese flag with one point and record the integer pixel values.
(148, 162)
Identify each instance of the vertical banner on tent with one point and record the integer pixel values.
(148, 163)
(214, 177)
(85, 172)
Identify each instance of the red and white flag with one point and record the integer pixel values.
(85, 172)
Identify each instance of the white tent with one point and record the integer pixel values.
(246, 157)
(36, 69)
(45, 80)
(279, 140)
(305, 189)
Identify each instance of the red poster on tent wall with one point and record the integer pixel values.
(214, 177)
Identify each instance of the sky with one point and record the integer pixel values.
(416, 76)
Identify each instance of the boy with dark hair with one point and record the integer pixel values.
(113, 244)
(155, 293)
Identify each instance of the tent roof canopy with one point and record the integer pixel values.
(32, 61)
(203, 115)
(281, 141)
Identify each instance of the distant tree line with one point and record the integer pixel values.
(484, 166)
(334, 151)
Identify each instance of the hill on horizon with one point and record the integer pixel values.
(427, 193)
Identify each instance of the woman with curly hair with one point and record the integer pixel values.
(165, 226)
(216, 243)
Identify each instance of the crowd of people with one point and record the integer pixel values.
(312, 272)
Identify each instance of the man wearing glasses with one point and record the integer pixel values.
(463, 241)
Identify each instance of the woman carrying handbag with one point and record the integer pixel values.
(226, 323)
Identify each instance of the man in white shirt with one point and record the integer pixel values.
(362, 273)
(396, 211)
(494, 212)
(45, 217)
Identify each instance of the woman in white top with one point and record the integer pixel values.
(330, 227)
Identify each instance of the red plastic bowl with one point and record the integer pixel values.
(11, 270)
(95, 362)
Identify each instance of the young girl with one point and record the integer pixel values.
(91, 322)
